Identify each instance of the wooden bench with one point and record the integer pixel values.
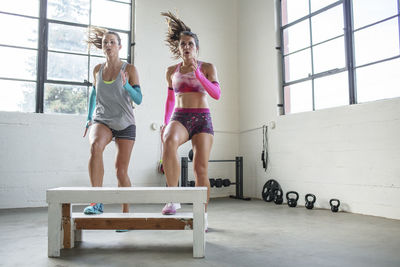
(64, 227)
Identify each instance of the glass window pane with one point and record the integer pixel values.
(72, 11)
(298, 65)
(378, 81)
(297, 37)
(318, 4)
(65, 99)
(67, 67)
(327, 24)
(24, 31)
(22, 7)
(331, 91)
(21, 63)
(377, 42)
(298, 97)
(111, 14)
(369, 11)
(293, 10)
(67, 38)
(17, 96)
(329, 55)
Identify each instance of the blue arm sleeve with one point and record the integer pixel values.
(134, 92)
(92, 103)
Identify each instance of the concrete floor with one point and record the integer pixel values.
(242, 233)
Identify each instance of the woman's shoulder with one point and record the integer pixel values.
(206, 65)
(97, 68)
(171, 69)
(129, 67)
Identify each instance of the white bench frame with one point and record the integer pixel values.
(64, 227)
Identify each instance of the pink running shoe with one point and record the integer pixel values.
(169, 209)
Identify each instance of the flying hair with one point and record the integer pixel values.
(95, 36)
(176, 28)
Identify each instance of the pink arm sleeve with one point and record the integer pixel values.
(212, 88)
(169, 105)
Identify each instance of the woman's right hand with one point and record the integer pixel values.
(88, 124)
(162, 129)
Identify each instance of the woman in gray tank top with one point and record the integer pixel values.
(116, 85)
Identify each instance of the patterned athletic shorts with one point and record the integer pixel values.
(195, 120)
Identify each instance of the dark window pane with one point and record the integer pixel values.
(378, 81)
(21, 63)
(67, 38)
(293, 10)
(71, 11)
(369, 11)
(331, 91)
(24, 31)
(67, 67)
(65, 99)
(297, 37)
(327, 24)
(298, 65)
(329, 55)
(377, 42)
(22, 7)
(298, 97)
(17, 96)
(111, 14)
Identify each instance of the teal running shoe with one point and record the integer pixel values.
(94, 208)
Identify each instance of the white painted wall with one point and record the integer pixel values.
(39, 151)
(351, 153)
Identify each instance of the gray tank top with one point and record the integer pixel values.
(113, 103)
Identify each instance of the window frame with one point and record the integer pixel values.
(348, 35)
(42, 49)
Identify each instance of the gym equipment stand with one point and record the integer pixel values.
(239, 175)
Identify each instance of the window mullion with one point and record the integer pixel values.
(42, 56)
(312, 57)
(349, 40)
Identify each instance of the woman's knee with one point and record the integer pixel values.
(96, 148)
(200, 170)
(122, 173)
(170, 143)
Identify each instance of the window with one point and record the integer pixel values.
(49, 66)
(336, 53)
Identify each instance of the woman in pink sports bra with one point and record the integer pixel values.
(187, 115)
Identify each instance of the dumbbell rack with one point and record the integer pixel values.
(239, 174)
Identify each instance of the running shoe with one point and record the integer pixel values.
(94, 208)
(170, 208)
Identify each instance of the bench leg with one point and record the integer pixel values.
(199, 240)
(68, 232)
(78, 235)
(54, 230)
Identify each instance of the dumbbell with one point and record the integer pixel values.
(226, 182)
(218, 182)
(212, 182)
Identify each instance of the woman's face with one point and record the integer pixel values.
(110, 45)
(187, 47)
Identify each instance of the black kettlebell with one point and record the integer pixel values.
(292, 202)
(334, 208)
(310, 204)
(278, 196)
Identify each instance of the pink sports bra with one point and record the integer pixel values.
(184, 83)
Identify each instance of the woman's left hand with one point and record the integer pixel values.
(125, 77)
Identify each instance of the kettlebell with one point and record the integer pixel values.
(190, 155)
(278, 196)
(310, 204)
(292, 202)
(334, 208)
